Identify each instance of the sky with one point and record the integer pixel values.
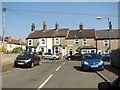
(20, 16)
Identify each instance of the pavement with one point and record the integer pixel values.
(110, 73)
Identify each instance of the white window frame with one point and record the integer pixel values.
(43, 43)
(30, 42)
(106, 41)
(84, 42)
(56, 41)
(76, 41)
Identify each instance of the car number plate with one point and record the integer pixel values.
(20, 63)
(94, 66)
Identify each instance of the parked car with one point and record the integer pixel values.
(106, 57)
(115, 85)
(27, 59)
(50, 56)
(76, 56)
(92, 61)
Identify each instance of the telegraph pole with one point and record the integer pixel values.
(3, 25)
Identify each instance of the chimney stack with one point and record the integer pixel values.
(110, 26)
(44, 26)
(56, 26)
(81, 26)
(33, 27)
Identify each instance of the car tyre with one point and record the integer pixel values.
(54, 58)
(32, 65)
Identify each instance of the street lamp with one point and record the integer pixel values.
(3, 24)
(110, 27)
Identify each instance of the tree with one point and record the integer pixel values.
(17, 50)
(3, 49)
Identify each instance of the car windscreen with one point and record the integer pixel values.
(91, 56)
(26, 54)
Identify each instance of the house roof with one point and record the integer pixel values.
(47, 33)
(86, 33)
(105, 34)
(19, 42)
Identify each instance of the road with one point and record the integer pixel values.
(57, 74)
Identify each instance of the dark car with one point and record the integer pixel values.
(76, 56)
(92, 61)
(27, 59)
(115, 85)
(106, 57)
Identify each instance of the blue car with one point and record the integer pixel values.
(92, 61)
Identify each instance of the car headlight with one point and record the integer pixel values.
(101, 62)
(86, 63)
(28, 60)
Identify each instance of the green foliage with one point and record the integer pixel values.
(17, 50)
(3, 49)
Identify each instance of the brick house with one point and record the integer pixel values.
(52, 40)
(81, 40)
(12, 43)
(106, 39)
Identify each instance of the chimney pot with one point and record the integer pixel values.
(44, 26)
(33, 27)
(56, 26)
(81, 26)
(110, 26)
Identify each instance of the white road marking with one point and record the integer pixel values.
(45, 82)
(58, 68)
(103, 76)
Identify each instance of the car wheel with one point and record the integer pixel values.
(54, 58)
(32, 65)
(38, 63)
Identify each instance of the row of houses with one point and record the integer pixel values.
(10, 43)
(67, 42)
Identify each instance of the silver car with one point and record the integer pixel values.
(50, 56)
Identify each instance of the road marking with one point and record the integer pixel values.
(101, 75)
(64, 63)
(45, 82)
(58, 68)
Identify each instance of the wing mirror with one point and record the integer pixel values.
(104, 86)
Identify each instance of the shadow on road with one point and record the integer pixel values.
(78, 68)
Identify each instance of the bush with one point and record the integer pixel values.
(17, 50)
(3, 49)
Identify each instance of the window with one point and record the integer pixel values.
(49, 50)
(56, 50)
(84, 41)
(43, 41)
(76, 41)
(106, 43)
(42, 49)
(106, 52)
(57, 41)
(30, 42)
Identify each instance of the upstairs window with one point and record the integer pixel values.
(56, 41)
(84, 41)
(30, 42)
(43, 41)
(76, 41)
(106, 43)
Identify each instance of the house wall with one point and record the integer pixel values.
(10, 47)
(100, 45)
(74, 47)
